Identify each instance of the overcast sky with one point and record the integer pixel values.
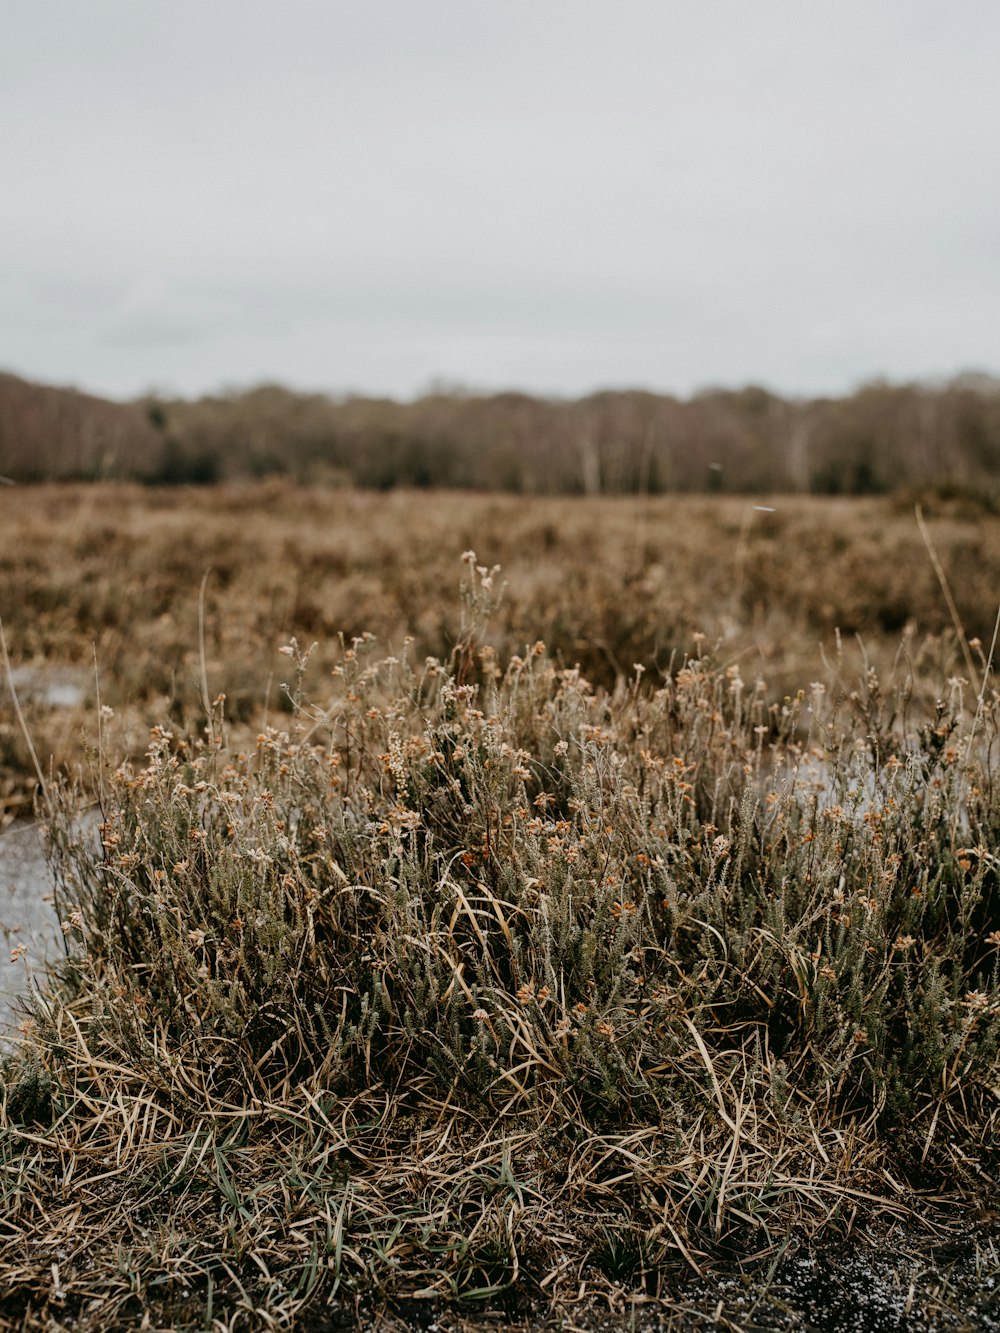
(551, 194)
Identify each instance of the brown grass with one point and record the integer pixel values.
(110, 575)
(465, 978)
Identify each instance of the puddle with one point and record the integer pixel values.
(27, 917)
(53, 687)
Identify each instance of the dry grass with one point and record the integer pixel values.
(111, 574)
(466, 979)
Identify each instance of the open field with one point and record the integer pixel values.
(543, 952)
(109, 576)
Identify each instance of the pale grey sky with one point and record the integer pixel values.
(551, 194)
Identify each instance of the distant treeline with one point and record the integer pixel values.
(881, 438)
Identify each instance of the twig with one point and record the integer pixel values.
(20, 717)
(943, 580)
(100, 731)
(205, 699)
(982, 691)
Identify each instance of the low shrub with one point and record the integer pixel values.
(474, 979)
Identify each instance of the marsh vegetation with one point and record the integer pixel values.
(513, 946)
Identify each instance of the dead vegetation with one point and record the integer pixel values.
(106, 579)
(468, 980)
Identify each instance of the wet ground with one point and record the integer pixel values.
(29, 931)
(50, 687)
(897, 1282)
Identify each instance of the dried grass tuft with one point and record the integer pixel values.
(472, 981)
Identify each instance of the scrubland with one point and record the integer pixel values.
(545, 940)
(104, 580)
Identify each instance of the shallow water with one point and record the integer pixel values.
(55, 687)
(27, 917)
